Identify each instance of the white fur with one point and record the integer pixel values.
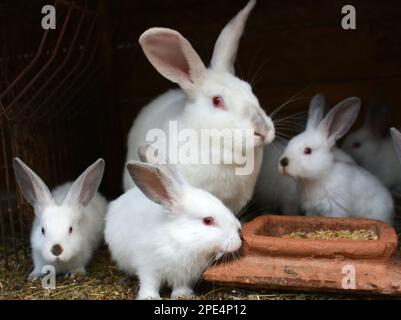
(328, 187)
(275, 192)
(60, 212)
(192, 107)
(168, 243)
(87, 235)
(376, 155)
(371, 145)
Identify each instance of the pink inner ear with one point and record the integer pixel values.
(150, 182)
(169, 58)
(173, 56)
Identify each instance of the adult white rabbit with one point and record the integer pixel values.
(69, 222)
(166, 231)
(334, 188)
(210, 98)
(371, 145)
(275, 192)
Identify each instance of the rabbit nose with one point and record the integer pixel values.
(56, 250)
(284, 162)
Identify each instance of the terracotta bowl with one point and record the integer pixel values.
(264, 236)
(270, 261)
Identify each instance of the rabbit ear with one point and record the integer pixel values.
(378, 116)
(32, 187)
(173, 57)
(85, 187)
(225, 49)
(340, 119)
(316, 111)
(156, 184)
(396, 135)
(148, 154)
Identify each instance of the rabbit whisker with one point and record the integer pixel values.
(293, 98)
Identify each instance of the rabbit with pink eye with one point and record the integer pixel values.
(210, 98)
(371, 145)
(166, 231)
(278, 192)
(334, 188)
(69, 221)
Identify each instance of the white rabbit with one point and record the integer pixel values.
(210, 98)
(274, 192)
(69, 222)
(278, 192)
(166, 231)
(396, 137)
(328, 187)
(371, 145)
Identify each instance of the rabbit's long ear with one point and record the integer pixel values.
(156, 184)
(173, 57)
(378, 116)
(340, 119)
(396, 135)
(148, 154)
(32, 187)
(86, 186)
(316, 111)
(225, 49)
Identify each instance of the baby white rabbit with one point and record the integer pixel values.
(371, 145)
(396, 137)
(210, 98)
(328, 187)
(278, 192)
(166, 231)
(69, 222)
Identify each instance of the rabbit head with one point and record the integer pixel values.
(196, 219)
(309, 155)
(58, 233)
(364, 143)
(214, 94)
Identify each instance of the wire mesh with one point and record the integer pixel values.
(50, 91)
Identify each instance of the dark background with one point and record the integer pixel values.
(288, 46)
(61, 109)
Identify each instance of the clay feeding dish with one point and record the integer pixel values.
(270, 261)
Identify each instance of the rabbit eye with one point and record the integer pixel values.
(70, 230)
(356, 145)
(218, 102)
(43, 231)
(307, 151)
(209, 221)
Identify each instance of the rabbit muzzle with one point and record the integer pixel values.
(263, 130)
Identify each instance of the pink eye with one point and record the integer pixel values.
(307, 151)
(218, 102)
(209, 221)
(356, 145)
